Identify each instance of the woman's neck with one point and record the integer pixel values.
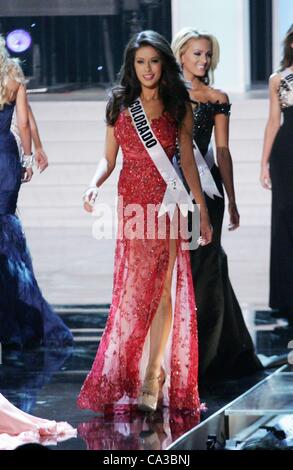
(193, 81)
(149, 94)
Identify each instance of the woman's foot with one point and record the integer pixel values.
(149, 394)
(151, 391)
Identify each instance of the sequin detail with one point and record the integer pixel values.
(204, 120)
(286, 89)
(203, 123)
(139, 274)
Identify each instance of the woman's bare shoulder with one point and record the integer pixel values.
(219, 95)
(275, 78)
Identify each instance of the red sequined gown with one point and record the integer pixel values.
(140, 268)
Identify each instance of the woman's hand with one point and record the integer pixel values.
(89, 198)
(27, 174)
(265, 177)
(206, 230)
(234, 216)
(41, 159)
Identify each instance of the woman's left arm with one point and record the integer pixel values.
(224, 161)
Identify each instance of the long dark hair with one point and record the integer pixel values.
(287, 59)
(172, 90)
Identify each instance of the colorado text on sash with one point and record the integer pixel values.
(175, 192)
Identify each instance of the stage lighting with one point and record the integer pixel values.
(18, 40)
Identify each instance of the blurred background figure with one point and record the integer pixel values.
(277, 175)
(25, 317)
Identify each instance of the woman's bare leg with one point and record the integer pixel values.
(161, 324)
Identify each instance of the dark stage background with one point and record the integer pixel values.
(77, 42)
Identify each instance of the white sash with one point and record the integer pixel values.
(204, 166)
(287, 75)
(175, 192)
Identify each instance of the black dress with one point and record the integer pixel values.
(225, 345)
(281, 170)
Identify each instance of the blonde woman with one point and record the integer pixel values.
(25, 317)
(225, 346)
(277, 174)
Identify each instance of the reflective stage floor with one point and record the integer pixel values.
(46, 383)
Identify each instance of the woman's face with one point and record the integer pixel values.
(148, 66)
(196, 59)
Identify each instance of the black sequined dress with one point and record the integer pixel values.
(225, 345)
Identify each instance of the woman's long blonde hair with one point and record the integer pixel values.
(9, 69)
(180, 44)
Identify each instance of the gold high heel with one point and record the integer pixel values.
(149, 394)
(148, 398)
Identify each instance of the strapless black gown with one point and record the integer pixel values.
(281, 170)
(225, 345)
(25, 317)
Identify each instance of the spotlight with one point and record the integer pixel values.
(18, 40)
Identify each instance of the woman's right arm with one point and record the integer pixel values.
(191, 174)
(105, 167)
(272, 127)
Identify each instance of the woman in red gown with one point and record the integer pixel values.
(148, 351)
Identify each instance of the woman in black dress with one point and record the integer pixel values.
(277, 174)
(225, 346)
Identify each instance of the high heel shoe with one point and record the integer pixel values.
(151, 392)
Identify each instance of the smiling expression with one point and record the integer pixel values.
(196, 59)
(148, 66)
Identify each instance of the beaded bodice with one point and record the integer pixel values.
(204, 120)
(140, 181)
(286, 89)
(132, 148)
